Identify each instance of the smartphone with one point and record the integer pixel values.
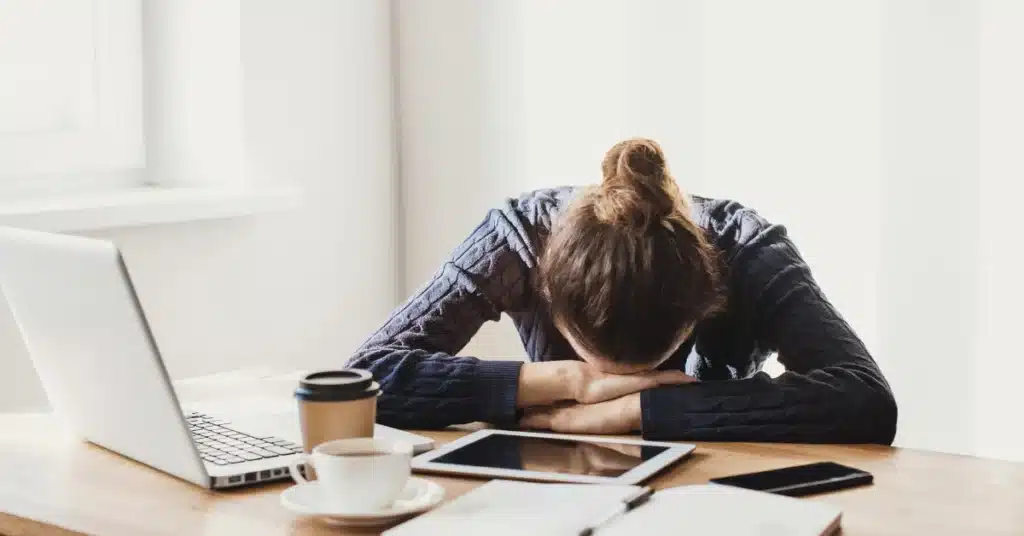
(801, 479)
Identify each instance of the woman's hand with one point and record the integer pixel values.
(594, 386)
(619, 416)
(550, 382)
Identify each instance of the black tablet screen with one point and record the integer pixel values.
(546, 455)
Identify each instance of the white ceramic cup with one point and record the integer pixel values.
(360, 474)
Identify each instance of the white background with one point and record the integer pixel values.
(885, 135)
(299, 288)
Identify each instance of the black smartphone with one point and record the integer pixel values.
(801, 479)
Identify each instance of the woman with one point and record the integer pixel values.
(641, 310)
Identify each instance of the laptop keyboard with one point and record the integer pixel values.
(220, 445)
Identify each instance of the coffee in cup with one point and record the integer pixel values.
(336, 404)
(358, 475)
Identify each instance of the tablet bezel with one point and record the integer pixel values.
(673, 452)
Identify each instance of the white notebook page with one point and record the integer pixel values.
(726, 511)
(502, 507)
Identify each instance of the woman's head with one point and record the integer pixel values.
(626, 272)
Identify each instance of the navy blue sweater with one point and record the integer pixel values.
(832, 390)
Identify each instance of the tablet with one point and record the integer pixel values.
(552, 457)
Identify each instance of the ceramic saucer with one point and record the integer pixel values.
(418, 496)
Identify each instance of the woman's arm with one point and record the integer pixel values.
(412, 354)
(832, 391)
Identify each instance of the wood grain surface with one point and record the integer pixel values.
(51, 483)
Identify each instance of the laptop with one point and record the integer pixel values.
(90, 343)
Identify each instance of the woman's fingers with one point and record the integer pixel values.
(673, 377)
(600, 386)
(618, 416)
(609, 386)
(537, 419)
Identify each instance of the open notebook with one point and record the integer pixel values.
(505, 507)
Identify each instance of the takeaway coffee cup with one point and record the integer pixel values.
(336, 404)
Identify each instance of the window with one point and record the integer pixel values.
(70, 91)
(123, 112)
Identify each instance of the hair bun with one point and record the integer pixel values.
(637, 189)
(641, 158)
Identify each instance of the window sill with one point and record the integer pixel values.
(142, 206)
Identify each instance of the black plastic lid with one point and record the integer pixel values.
(337, 386)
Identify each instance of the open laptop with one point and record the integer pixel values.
(92, 347)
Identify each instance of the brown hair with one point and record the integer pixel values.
(626, 269)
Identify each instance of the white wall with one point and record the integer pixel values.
(742, 108)
(790, 127)
(501, 97)
(862, 125)
(885, 135)
(997, 356)
(301, 288)
(928, 294)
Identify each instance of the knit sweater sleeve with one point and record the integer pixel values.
(424, 384)
(832, 390)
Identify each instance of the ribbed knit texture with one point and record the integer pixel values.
(832, 390)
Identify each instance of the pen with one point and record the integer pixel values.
(626, 506)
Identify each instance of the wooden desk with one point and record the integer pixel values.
(53, 484)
